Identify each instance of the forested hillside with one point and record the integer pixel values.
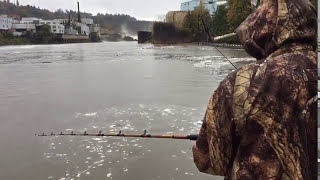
(111, 22)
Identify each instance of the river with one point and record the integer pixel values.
(109, 87)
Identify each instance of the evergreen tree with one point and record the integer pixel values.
(220, 27)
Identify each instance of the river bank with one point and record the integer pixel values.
(26, 41)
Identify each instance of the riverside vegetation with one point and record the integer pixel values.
(224, 21)
(42, 36)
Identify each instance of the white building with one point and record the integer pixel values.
(65, 21)
(84, 29)
(5, 22)
(190, 5)
(55, 26)
(29, 20)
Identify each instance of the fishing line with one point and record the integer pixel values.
(211, 41)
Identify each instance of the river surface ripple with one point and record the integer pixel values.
(109, 87)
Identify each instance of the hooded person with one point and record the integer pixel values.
(261, 122)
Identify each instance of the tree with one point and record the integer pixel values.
(193, 22)
(220, 27)
(44, 34)
(239, 10)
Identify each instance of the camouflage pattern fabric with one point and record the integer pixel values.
(261, 122)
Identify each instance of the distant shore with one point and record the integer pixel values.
(26, 41)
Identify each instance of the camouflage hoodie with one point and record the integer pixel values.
(261, 122)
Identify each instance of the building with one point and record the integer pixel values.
(190, 5)
(55, 25)
(23, 29)
(29, 20)
(87, 21)
(96, 29)
(82, 28)
(65, 22)
(5, 23)
(177, 18)
(93, 28)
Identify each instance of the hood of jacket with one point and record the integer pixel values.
(276, 23)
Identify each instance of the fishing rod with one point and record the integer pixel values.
(120, 134)
(212, 41)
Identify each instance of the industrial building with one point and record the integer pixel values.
(190, 5)
(5, 22)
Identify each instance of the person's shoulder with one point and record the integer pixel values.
(302, 59)
(244, 72)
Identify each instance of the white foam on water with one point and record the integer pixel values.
(102, 141)
(183, 152)
(141, 106)
(109, 175)
(91, 114)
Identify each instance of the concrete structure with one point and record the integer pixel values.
(5, 23)
(144, 37)
(177, 18)
(23, 29)
(70, 31)
(75, 37)
(96, 29)
(210, 5)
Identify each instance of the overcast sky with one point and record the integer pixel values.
(141, 9)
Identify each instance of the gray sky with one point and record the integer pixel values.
(141, 9)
